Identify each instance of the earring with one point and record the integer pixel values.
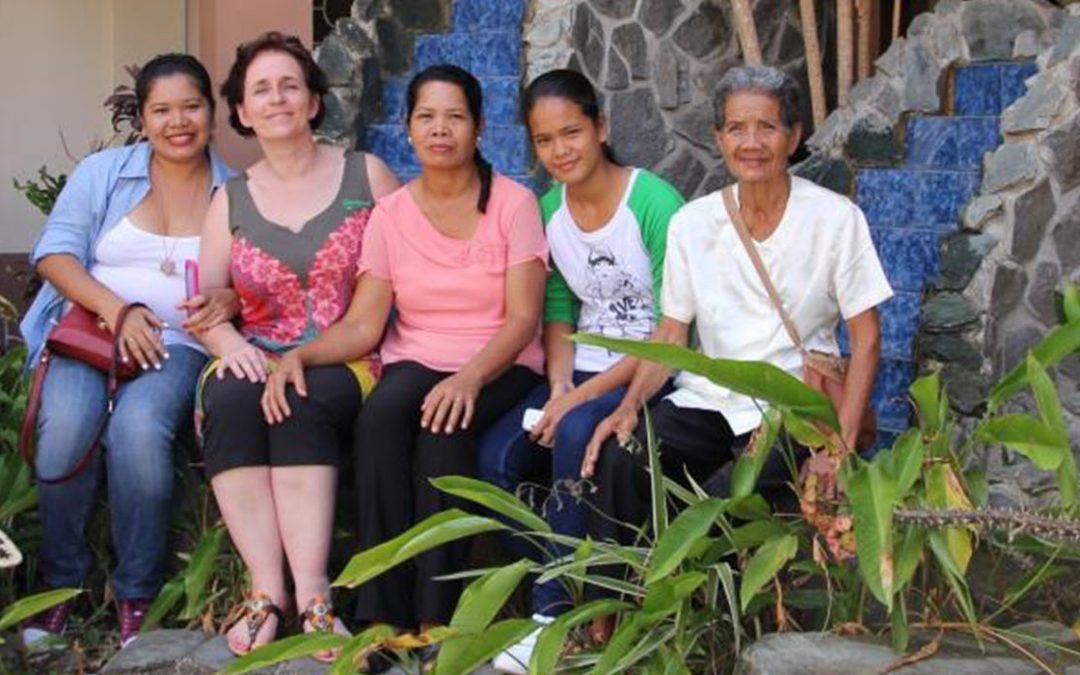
(409, 138)
(479, 139)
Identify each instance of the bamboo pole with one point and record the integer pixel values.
(748, 39)
(844, 49)
(863, 17)
(813, 60)
(896, 9)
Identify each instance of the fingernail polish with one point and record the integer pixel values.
(166, 355)
(157, 366)
(144, 366)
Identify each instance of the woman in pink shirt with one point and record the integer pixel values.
(459, 252)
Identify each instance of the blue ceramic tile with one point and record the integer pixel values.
(506, 146)
(886, 196)
(482, 54)
(940, 195)
(931, 142)
(975, 136)
(393, 99)
(890, 398)
(1012, 80)
(390, 143)
(978, 90)
(501, 99)
(899, 322)
(472, 16)
(909, 257)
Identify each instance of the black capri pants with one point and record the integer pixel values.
(395, 459)
(235, 432)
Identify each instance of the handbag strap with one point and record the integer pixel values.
(743, 231)
(33, 405)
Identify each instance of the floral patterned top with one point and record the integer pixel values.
(293, 285)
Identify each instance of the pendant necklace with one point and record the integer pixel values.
(168, 250)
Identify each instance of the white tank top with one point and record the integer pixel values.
(128, 261)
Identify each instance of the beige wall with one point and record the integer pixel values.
(59, 59)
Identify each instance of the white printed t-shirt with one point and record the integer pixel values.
(821, 260)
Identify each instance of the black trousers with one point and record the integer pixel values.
(691, 441)
(395, 459)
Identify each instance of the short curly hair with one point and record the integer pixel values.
(272, 41)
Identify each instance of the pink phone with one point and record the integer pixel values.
(191, 280)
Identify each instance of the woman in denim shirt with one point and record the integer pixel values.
(120, 232)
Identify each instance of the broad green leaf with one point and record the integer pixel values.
(1028, 436)
(482, 599)
(907, 460)
(1070, 304)
(926, 394)
(499, 501)
(1058, 344)
(1068, 480)
(944, 491)
(690, 525)
(1046, 398)
(953, 574)
(900, 634)
(346, 662)
(872, 495)
(747, 536)
(727, 582)
(27, 607)
(166, 599)
(750, 507)
(199, 570)
(803, 431)
(665, 596)
(443, 527)
(756, 379)
(766, 562)
(908, 554)
(286, 649)
(622, 640)
(464, 653)
(748, 467)
(549, 646)
(666, 662)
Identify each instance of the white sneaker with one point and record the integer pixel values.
(515, 659)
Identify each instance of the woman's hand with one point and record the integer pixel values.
(245, 362)
(289, 370)
(450, 404)
(209, 308)
(622, 423)
(140, 338)
(543, 432)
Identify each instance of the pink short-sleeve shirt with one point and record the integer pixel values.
(450, 294)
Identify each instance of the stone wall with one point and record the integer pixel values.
(656, 62)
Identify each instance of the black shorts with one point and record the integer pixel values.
(235, 432)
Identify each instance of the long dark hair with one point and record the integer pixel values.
(572, 86)
(474, 100)
(165, 65)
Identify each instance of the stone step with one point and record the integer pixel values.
(950, 142)
(500, 99)
(989, 88)
(920, 198)
(473, 16)
(504, 145)
(492, 53)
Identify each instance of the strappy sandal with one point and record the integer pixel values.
(319, 616)
(254, 612)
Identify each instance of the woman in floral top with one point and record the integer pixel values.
(287, 236)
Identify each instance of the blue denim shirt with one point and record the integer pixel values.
(103, 188)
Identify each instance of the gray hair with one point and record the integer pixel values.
(759, 80)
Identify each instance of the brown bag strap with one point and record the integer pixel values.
(33, 405)
(728, 194)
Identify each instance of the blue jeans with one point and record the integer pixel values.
(150, 411)
(508, 458)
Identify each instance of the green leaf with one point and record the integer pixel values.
(199, 571)
(748, 467)
(464, 653)
(906, 459)
(443, 527)
(1068, 480)
(804, 433)
(757, 379)
(872, 495)
(1027, 435)
(166, 599)
(900, 634)
(666, 596)
(926, 394)
(552, 638)
(345, 664)
(766, 562)
(908, 554)
(1046, 398)
(747, 536)
(622, 640)
(27, 607)
(1058, 344)
(657, 492)
(953, 574)
(499, 501)
(944, 491)
(481, 600)
(727, 582)
(285, 650)
(673, 547)
(1070, 304)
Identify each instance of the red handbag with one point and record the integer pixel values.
(83, 336)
